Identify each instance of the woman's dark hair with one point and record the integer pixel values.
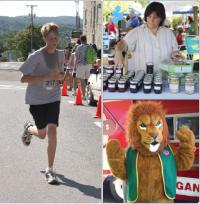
(95, 47)
(158, 8)
(190, 19)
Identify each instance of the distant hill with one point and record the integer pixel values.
(10, 24)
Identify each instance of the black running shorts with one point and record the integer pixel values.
(45, 114)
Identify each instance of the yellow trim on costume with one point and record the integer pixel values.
(137, 178)
(171, 149)
(163, 178)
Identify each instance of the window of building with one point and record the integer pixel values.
(191, 122)
(85, 17)
(176, 121)
(170, 123)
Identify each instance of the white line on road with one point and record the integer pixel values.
(12, 87)
(72, 102)
(98, 124)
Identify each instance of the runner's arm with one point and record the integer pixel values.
(52, 75)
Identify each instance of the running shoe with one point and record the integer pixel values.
(26, 136)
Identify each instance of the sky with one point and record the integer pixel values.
(44, 8)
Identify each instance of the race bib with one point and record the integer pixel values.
(49, 85)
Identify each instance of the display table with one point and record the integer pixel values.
(165, 95)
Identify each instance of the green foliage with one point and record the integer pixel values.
(15, 35)
(20, 42)
(176, 21)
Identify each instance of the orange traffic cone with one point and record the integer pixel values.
(78, 98)
(98, 111)
(64, 88)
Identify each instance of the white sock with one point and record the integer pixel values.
(49, 169)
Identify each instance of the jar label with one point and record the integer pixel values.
(118, 71)
(173, 87)
(157, 87)
(121, 86)
(147, 87)
(133, 86)
(109, 71)
(189, 88)
(111, 85)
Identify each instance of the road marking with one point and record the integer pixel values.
(12, 87)
(98, 124)
(72, 102)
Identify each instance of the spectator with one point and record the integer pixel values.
(191, 25)
(68, 76)
(179, 36)
(81, 66)
(133, 19)
(111, 27)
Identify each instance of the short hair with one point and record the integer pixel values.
(83, 39)
(48, 27)
(158, 8)
(190, 19)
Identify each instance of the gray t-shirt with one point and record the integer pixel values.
(80, 54)
(40, 63)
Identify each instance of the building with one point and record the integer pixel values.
(92, 22)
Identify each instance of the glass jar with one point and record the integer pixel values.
(173, 83)
(122, 84)
(109, 69)
(189, 84)
(149, 68)
(147, 83)
(112, 84)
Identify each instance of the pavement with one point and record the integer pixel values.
(78, 160)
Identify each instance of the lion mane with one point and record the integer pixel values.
(132, 135)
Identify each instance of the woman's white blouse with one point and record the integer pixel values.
(150, 48)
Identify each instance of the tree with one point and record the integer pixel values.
(23, 41)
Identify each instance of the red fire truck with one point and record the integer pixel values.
(179, 112)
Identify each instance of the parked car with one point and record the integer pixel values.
(93, 87)
(178, 112)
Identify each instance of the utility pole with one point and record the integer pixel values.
(77, 15)
(32, 15)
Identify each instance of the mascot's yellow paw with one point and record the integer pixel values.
(185, 135)
(116, 159)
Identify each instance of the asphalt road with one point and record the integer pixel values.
(78, 160)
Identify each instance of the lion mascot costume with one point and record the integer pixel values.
(149, 164)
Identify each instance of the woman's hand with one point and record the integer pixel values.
(176, 54)
(120, 47)
(118, 59)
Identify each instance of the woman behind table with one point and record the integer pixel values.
(150, 42)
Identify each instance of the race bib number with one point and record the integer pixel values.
(49, 85)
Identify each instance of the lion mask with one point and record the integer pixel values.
(146, 127)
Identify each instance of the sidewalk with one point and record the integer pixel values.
(14, 66)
